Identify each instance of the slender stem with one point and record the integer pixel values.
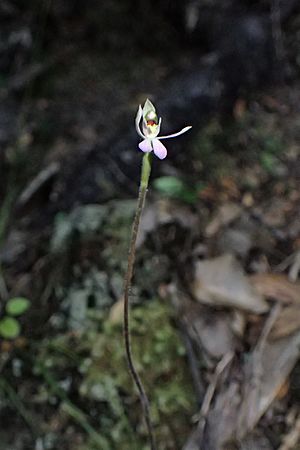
(146, 169)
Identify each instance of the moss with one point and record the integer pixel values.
(159, 357)
(95, 362)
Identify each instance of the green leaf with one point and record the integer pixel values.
(268, 162)
(9, 328)
(169, 185)
(175, 188)
(17, 306)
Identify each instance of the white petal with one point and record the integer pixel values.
(184, 130)
(145, 146)
(159, 125)
(137, 122)
(159, 149)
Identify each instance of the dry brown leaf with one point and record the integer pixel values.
(221, 282)
(236, 241)
(209, 193)
(214, 332)
(211, 330)
(226, 214)
(276, 362)
(230, 188)
(287, 323)
(292, 438)
(251, 387)
(276, 286)
(283, 390)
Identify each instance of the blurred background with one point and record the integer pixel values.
(216, 313)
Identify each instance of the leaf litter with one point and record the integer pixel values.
(263, 346)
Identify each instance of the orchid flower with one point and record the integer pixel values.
(150, 130)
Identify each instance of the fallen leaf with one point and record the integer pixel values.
(277, 287)
(229, 187)
(221, 282)
(246, 395)
(214, 332)
(276, 362)
(209, 193)
(236, 241)
(226, 214)
(283, 390)
(287, 323)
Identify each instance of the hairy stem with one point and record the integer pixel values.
(146, 169)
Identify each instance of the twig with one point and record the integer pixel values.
(5, 209)
(146, 169)
(295, 267)
(288, 261)
(37, 183)
(260, 346)
(292, 261)
(3, 288)
(18, 404)
(201, 417)
(221, 366)
(256, 371)
(292, 437)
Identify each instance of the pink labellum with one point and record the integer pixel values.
(145, 146)
(159, 149)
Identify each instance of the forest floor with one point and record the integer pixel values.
(216, 312)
